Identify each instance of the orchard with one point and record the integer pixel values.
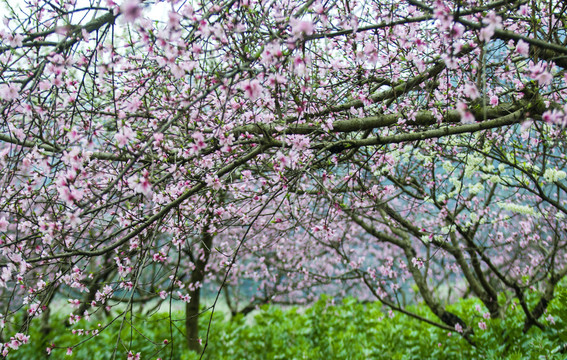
(400, 152)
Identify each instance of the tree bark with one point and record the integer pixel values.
(198, 275)
(192, 321)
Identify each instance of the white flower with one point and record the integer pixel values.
(475, 188)
(516, 208)
(473, 216)
(495, 179)
(554, 175)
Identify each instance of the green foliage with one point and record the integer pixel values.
(347, 329)
(147, 336)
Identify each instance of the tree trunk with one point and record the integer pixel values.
(192, 321)
(198, 275)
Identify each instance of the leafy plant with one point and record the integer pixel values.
(328, 329)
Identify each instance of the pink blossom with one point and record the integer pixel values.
(18, 133)
(63, 30)
(457, 30)
(486, 33)
(101, 296)
(131, 356)
(131, 10)
(524, 10)
(70, 194)
(226, 142)
(34, 309)
(13, 39)
(523, 48)
(417, 262)
(471, 91)
(301, 27)
(554, 117)
(282, 160)
(173, 19)
(494, 100)
(197, 49)
(186, 298)
(13, 344)
(466, 116)
(9, 91)
(252, 89)
(188, 11)
(544, 78)
(4, 224)
(85, 35)
(213, 182)
(141, 184)
(198, 142)
(442, 14)
(271, 53)
(159, 257)
(133, 104)
(450, 61)
(6, 276)
(482, 325)
(176, 70)
(540, 73)
(300, 65)
(158, 138)
(493, 22)
(492, 19)
(124, 136)
(24, 339)
(298, 142)
(45, 85)
(69, 351)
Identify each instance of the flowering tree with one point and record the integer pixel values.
(384, 149)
